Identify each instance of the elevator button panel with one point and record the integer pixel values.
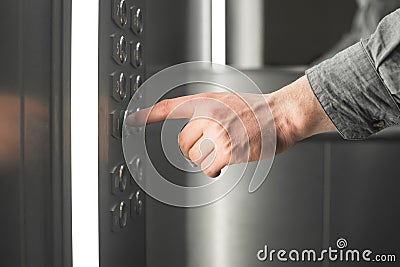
(127, 38)
(121, 73)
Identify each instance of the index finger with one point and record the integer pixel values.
(164, 109)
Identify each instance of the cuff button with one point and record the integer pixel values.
(379, 124)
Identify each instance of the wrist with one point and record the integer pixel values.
(307, 116)
(297, 112)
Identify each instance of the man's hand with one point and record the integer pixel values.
(230, 128)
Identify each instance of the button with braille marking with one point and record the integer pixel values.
(120, 49)
(120, 12)
(136, 54)
(137, 20)
(379, 124)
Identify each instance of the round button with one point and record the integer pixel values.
(121, 49)
(137, 55)
(137, 20)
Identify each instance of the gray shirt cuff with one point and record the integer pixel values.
(353, 94)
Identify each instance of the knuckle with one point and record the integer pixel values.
(209, 172)
(163, 106)
(204, 95)
(213, 112)
(207, 95)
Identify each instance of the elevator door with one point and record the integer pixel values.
(35, 196)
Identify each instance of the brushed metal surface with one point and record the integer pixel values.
(294, 32)
(35, 133)
(364, 197)
(121, 230)
(177, 31)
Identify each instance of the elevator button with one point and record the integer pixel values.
(122, 177)
(137, 203)
(120, 53)
(119, 86)
(119, 178)
(137, 20)
(136, 169)
(139, 207)
(117, 120)
(136, 82)
(120, 12)
(137, 54)
(131, 130)
(120, 216)
(123, 215)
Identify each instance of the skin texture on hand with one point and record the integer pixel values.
(297, 113)
(230, 128)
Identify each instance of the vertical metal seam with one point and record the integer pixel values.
(56, 136)
(22, 137)
(53, 143)
(326, 197)
(66, 132)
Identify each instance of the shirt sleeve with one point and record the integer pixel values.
(359, 88)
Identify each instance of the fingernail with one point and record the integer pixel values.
(131, 120)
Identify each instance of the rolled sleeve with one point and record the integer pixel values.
(357, 87)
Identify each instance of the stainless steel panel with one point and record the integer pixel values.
(294, 32)
(177, 31)
(286, 212)
(35, 153)
(364, 197)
